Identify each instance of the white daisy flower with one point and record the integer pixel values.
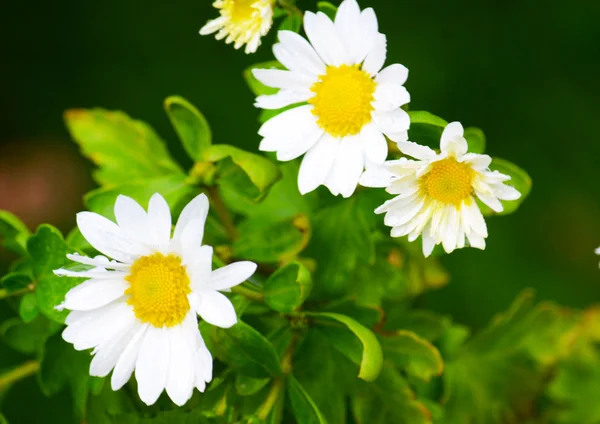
(138, 311)
(241, 22)
(351, 102)
(436, 192)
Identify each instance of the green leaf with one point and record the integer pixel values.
(424, 323)
(292, 22)
(267, 241)
(173, 188)
(63, 366)
(15, 281)
(389, 400)
(372, 356)
(304, 408)
(124, 149)
(412, 353)
(260, 171)
(287, 288)
(248, 386)
(338, 249)
(27, 338)
(48, 251)
(519, 179)
(28, 309)
(327, 8)
(426, 129)
(245, 349)
(502, 356)
(257, 87)
(13, 233)
(191, 126)
(2, 419)
(475, 139)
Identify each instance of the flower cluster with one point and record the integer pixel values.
(138, 308)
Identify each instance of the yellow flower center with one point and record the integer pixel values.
(240, 10)
(158, 290)
(342, 100)
(448, 181)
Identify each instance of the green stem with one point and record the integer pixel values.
(289, 7)
(249, 293)
(5, 293)
(25, 370)
(267, 406)
(222, 212)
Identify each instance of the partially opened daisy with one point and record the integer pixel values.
(437, 192)
(138, 311)
(349, 103)
(241, 22)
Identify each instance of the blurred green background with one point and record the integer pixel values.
(526, 72)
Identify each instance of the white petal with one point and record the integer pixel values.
(506, 192)
(191, 224)
(473, 218)
(133, 219)
(98, 261)
(428, 243)
(93, 294)
(106, 237)
(376, 57)
(390, 96)
(159, 217)
(415, 150)
(323, 36)
(204, 367)
(453, 141)
(278, 78)
(99, 325)
(375, 144)
(490, 199)
(181, 376)
(216, 309)
(126, 363)
(302, 51)
(283, 99)
(349, 27)
(476, 241)
(212, 26)
(151, 368)
(109, 352)
(317, 163)
(231, 275)
(296, 147)
(376, 176)
(297, 121)
(394, 74)
(478, 162)
(392, 122)
(347, 168)
(450, 229)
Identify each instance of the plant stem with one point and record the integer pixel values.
(267, 406)
(222, 212)
(289, 7)
(249, 293)
(5, 293)
(22, 371)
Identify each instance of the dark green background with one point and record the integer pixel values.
(525, 71)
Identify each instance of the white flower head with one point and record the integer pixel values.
(436, 192)
(241, 22)
(350, 103)
(138, 311)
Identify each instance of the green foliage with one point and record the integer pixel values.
(288, 287)
(48, 252)
(191, 126)
(305, 409)
(124, 149)
(13, 233)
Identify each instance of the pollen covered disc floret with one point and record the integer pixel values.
(345, 103)
(437, 192)
(138, 311)
(241, 22)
